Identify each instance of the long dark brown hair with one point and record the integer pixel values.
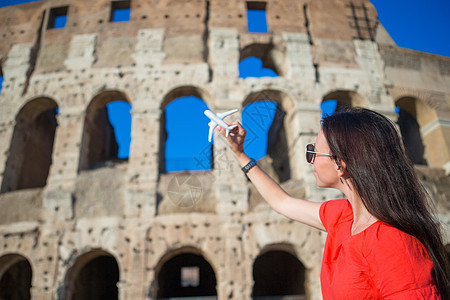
(384, 178)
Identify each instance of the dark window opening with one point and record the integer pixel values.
(15, 281)
(186, 275)
(57, 18)
(256, 17)
(278, 274)
(120, 11)
(30, 152)
(97, 279)
(412, 139)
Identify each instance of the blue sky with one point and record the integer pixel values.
(415, 24)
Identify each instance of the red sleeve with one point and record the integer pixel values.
(400, 266)
(334, 212)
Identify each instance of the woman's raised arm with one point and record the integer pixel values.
(304, 211)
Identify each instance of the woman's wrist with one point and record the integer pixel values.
(242, 159)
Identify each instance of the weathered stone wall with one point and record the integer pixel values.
(128, 210)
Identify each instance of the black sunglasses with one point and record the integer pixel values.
(311, 154)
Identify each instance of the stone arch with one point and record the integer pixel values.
(98, 143)
(415, 120)
(175, 93)
(279, 135)
(94, 275)
(345, 98)
(15, 277)
(413, 114)
(278, 272)
(185, 90)
(270, 57)
(184, 272)
(30, 152)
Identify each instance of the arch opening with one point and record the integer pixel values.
(259, 60)
(408, 123)
(107, 115)
(93, 276)
(186, 275)
(338, 100)
(30, 152)
(278, 274)
(15, 277)
(184, 142)
(264, 118)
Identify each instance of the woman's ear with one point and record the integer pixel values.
(341, 167)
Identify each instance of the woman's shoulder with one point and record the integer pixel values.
(384, 240)
(333, 212)
(336, 207)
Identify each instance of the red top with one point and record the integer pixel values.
(380, 262)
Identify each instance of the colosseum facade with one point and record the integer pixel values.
(78, 223)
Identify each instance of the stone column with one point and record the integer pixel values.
(6, 135)
(143, 161)
(437, 134)
(224, 52)
(132, 284)
(15, 69)
(65, 161)
(299, 58)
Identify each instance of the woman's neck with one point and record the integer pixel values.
(362, 218)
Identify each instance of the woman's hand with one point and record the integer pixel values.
(236, 138)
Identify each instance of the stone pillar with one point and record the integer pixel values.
(299, 58)
(143, 161)
(369, 58)
(81, 52)
(65, 162)
(132, 283)
(149, 50)
(231, 184)
(437, 134)
(45, 259)
(6, 134)
(233, 275)
(15, 69)
(224, 52)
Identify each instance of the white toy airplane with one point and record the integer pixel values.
(217, 120)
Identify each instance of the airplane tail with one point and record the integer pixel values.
(229, 129)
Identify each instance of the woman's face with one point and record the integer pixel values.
(325, 168)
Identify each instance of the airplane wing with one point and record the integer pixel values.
(212, 126)
(227, 113)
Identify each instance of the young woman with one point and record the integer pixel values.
(382, 242)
